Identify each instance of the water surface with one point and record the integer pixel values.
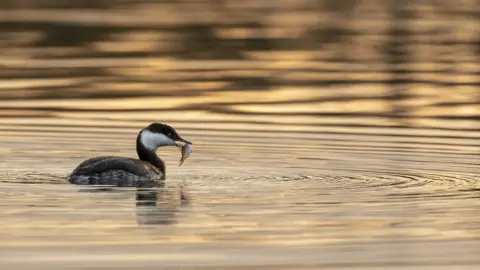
(301, 161)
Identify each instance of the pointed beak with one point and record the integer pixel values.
(181, 141)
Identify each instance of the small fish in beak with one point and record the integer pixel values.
(187, 149)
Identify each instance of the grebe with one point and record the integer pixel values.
(123, 171)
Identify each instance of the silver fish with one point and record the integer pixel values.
(187, 149)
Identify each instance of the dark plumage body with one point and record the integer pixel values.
(123, 171)
(115, 171)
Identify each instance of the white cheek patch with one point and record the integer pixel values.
(154, 140)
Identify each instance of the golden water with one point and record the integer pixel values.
(289, 172)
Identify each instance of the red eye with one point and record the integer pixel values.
(169, 135)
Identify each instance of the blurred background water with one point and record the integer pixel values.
(328, 134)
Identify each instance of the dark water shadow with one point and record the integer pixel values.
(155, 204)
(158, 206)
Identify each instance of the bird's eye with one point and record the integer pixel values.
(169, 135)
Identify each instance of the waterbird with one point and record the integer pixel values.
(123, 171)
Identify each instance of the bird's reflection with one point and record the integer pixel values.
(154, 202)
(157, 204)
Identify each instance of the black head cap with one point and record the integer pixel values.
(167, 131)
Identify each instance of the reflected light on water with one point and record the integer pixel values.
(328, 134)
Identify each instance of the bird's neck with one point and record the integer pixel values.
(149, 156)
